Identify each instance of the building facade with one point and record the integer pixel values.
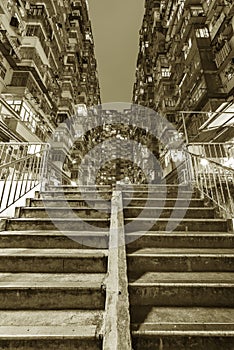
(47, 66)
(186, 63)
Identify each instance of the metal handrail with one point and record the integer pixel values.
(23, 169)
(60, 174)
(214, 180)
(6, 165)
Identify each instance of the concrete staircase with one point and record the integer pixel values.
(52, 293)
(181, 283)
(66, 278)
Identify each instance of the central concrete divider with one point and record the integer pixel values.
(116, 328)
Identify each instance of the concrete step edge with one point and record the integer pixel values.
(47, 332)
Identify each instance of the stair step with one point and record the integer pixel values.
(157, 193)
(163, 202)
(93, 195)
(159, 259)
(53, 239)
(183, 289)
(177, 239)
(53, 260)
(156, 187)
(182, 328)
(164, 212)
(51, 291)
(61, 224)
(51, 329)
(82, 187)
(96, 204)
(65, 212)
(174, 224)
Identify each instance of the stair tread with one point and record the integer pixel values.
(51, 280)
(48, 332)
(69, 200)
(54, 252)
(154, 278)
(162, 199)
(179, 233)
(53, 233)
(168, 208)
(181, 251)
(50, 317)
(175, 219)
(58, 219)
(70, 190)
(137, 233)
(67, 208)
(182, 319)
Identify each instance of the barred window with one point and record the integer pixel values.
(202, 33)
(2, 71)
(19, 78)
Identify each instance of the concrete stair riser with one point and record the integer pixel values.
(188, 225)
(55, 263)
(180, 263)
(181, 342)
(165, 212)
(31, 239)
(180, 240)
(52, 343)
(183, 294)
(159, 188)
(59, 224)
(185, 195)
(90, 195)
(70, 203)
(63, 213)
(55, 298)
(163, 202)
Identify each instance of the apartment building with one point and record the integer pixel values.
(186, 63)
(47, 67)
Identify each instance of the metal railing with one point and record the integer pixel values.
(55, 176)
(199, 126)
(222, 153)
(215, 181)
(22, 168)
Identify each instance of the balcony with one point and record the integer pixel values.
(228, 77)
(38, 14)
(26, 127)
(223, 55)
(33, 41)
(30, 57)
(214, 28)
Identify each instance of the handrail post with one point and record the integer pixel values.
(116, 329)
(44, 168)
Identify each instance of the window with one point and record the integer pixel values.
(187, 47)
(2, 71)
(32, 30)
(27, 115)
(15, 104)
(70, 59)
(35, 30)
(202, 33)
(36, 10)
(165, 72)
(169, 102)
(199, 91)
(20, 78)
(72, 35)
(197, 11)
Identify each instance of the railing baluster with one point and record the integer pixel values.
(213, 179)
